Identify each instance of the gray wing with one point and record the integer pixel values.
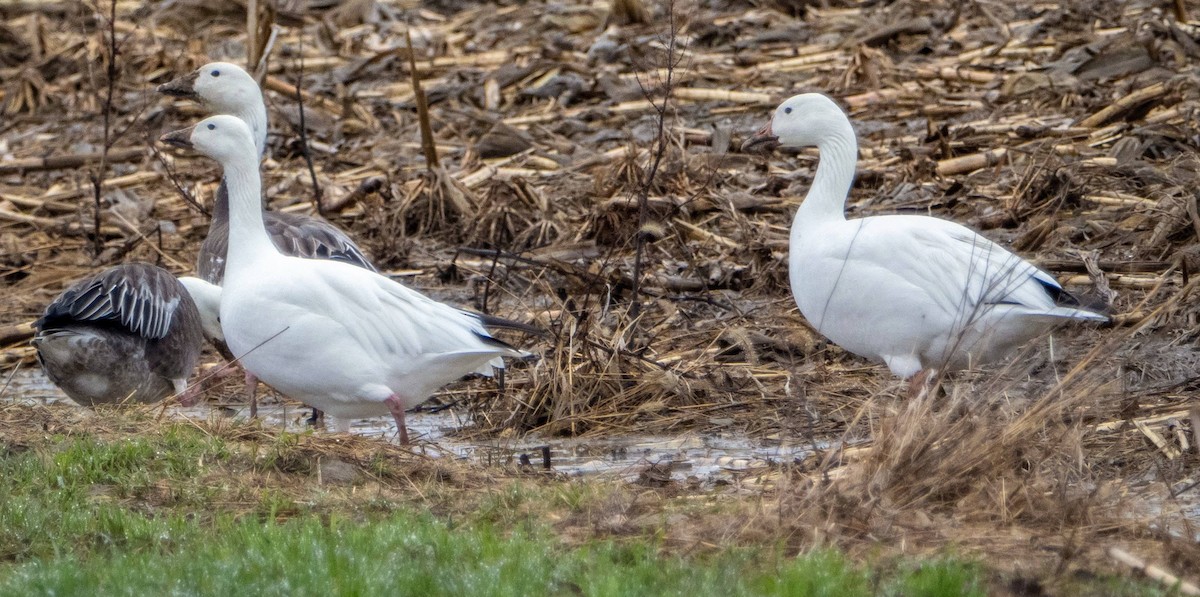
(293, 234)
(311, 237)
(210, 262)
(138, 297)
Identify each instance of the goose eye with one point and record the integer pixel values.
(212, 127)
(216, 73)
(787, 110)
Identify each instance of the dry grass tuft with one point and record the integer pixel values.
(436, 203)
(981, 454)
(591, 379)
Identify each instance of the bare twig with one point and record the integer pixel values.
(672, 60)
(97, 177)
(1194, 416)
(252, 47)
(18, 332)
(1179, 10)
(8, 380)
(312, 172)
(428, 147)
(174, 179)
(63, 162)
(367, 187)
(1124, 104)
(972, 162)
(487, 281)
(260, 35)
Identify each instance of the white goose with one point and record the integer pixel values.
(130, 333)
(226, 88)
(915, 292)
(337, 337)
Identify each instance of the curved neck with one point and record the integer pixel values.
(826, 199)
(247, 235)
(254, 114)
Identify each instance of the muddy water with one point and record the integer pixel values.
(700, 461)
(696, 459)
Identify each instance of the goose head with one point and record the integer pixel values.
(803, 120)
(208, 301)
(223, 138)
(222, 86)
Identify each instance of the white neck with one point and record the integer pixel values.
(255, 116)
(826, 199)
(248, 239)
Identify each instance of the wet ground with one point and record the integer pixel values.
(698, 460)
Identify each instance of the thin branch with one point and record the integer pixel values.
(97, 177)
(62, 162)
(261, 32)
(312, 172)
(173, 178)
(1179, 10)
(487, 281)
(660, 150)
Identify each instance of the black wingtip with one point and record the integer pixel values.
(492, 321)
(498, 343)
(1060, 297)
(1086, 302)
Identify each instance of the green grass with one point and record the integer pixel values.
(415, 554)
(941, 577)
(172, 512)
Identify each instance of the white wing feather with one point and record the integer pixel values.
(895, 287)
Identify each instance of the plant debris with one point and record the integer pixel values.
(563, 137)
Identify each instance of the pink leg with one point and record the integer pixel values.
(188, 395)
(225, 371)
(252, 394)
(916, 384)
(397, 408)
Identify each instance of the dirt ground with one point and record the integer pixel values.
(568, 134)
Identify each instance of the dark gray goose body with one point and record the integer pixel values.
(129, 334)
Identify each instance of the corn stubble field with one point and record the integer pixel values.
(588, 179)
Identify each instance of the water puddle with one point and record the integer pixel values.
(694, 459)
(1175, 512)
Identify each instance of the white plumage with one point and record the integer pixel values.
(228, 89)
(337, 337)
(207, 297)
(914, 292)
